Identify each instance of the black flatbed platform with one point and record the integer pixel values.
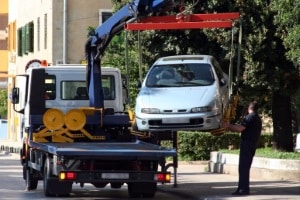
(104, 150)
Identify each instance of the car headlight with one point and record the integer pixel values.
(150, 110)
(202, 109)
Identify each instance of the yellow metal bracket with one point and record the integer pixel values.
(59, 127)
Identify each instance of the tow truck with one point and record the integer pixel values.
(82, 140)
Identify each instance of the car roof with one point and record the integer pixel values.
(185, 59)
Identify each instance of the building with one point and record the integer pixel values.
(3, 43)
(52, 30)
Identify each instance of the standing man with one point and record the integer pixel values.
(250, 129)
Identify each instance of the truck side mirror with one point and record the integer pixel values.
(15, 95)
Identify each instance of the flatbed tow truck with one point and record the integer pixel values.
(88, 139)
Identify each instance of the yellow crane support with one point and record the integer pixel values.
(229, 115)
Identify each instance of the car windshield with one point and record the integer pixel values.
(180, 75)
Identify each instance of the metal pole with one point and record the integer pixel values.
(65, 32)
(231, 64)
(239, 52)
(140, 56)
(126, 65)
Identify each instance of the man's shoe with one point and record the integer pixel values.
(241, 192)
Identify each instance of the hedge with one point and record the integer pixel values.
(198, 145)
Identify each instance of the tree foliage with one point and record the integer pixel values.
(3, 103)
(287, 20)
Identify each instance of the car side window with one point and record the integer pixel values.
(219, 71)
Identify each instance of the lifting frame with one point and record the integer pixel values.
(186, 21)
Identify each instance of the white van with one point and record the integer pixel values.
(184, 92)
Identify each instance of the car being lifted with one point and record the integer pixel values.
(183, 92)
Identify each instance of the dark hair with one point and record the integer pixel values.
(253, 106)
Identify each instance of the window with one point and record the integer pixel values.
(218, 70)
(104, 14)
(45, 31)
(20, 42)
(108, 85)
(29, 37)
(23, 40)
(76, 90)
(12, 36)
(50, 87)
(180, 75)
(38, 33)
(71, 90)
(3, 28)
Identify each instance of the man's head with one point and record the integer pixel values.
(253, 106)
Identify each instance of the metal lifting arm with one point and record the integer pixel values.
(100, 38)
(149, 15)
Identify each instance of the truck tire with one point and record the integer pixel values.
(52, 186)
(46, 179)
(30, 180)
(141, 190)
(116, 185)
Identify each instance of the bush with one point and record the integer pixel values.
(198, 145)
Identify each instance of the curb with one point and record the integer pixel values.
(262, 168)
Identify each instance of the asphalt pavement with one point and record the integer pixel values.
(194, 182)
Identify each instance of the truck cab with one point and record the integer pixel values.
(42, 88)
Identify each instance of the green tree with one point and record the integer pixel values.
(287, 20)
(115, 56)
(266, 73)
(3, 103)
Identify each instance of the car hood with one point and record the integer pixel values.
(176, 98)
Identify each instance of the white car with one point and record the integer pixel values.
(184, 92)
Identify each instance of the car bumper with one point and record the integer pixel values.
(177, 122)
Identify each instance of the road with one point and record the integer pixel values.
(193, 183)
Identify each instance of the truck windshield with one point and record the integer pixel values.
(180, 75)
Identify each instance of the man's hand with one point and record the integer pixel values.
(225, 124)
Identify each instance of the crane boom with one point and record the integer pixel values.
(100, 38)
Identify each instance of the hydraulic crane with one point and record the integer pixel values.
(100, 38)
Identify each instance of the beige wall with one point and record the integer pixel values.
(80, 15)
(3, 61)
(4, 6)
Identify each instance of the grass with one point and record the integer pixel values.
(269, 153)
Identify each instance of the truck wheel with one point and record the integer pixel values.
(52, 186)
(116, 185)
(31, 182)
(46, 179)
(141, 190)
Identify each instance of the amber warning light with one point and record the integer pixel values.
(163, 177)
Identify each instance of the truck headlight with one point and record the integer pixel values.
(201, 109)
(150, 110)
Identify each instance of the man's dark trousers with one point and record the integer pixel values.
(247, 151)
